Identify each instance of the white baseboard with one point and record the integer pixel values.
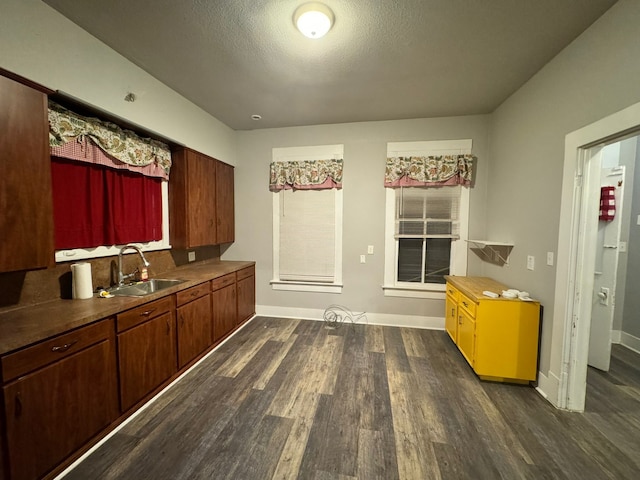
(616, 336)
(629, 341)
(385, 319)
(549, 388)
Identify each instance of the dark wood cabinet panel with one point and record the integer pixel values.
(26, 205)
(223, 306)
(246, 294)
(225, 203)
(192, 199)
(147, 357)
(194, 329)
(53, 411)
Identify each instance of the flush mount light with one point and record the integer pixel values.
(256, 117)
(313, 19)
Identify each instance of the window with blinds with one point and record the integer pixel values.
(427, 220)
(307, 235)
(425, 227)
(307, 229)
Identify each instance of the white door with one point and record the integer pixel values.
(606, 268)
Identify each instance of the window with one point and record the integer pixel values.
(109, 187)
(425, 228)
(307, 228)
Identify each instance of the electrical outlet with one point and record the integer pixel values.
(531, 262)
(370, 250)
(192, 256)
(550, 259)
(622, 247)
(363, 259)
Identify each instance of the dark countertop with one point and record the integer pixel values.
(27, 325)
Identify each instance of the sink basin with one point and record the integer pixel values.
(141, 289)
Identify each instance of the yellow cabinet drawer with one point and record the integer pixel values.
(453, 292)
(468, 305)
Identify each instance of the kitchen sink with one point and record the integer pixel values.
(140, 289)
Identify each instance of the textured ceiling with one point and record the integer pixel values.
(382, 60)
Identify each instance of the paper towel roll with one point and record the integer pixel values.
(82, 287)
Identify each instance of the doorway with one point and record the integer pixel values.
(578, 246)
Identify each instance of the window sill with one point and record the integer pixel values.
(432, 292)
(306, 287)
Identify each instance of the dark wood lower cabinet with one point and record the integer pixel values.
(147, 357)
(223, 307)
(194, 328)
(54, 410)
(61, 394)
(246, 293)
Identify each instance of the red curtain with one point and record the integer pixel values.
(94, 205)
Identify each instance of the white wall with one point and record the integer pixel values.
(593, 77)
(364, 202)
(42, 45)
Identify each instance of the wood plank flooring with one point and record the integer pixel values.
(287, 399)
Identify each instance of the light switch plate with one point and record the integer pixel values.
(363, 259)
(192, 256)
(622, 247)
(531, 262)
(370, 250)
(550, 259)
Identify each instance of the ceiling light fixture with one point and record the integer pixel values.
(313, 19)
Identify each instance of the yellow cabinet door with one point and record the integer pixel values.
(466, 335)
(451, 319)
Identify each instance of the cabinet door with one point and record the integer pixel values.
(147, 357)
(194, 329)
(224, 203)
(451, 318)
(52, 412)
(466, 335)
(202, 200)
(26, 205)
(223, 302)
(246, 298)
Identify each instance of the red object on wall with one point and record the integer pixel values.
(607, 203)
(94, 205)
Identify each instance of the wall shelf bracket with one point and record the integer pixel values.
(492, 252)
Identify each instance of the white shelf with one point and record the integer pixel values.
(499, 251)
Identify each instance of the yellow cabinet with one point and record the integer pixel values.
(451, 318)
(497, 336)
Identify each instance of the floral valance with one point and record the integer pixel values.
(305, 175)
(431, 171)
(74, 136)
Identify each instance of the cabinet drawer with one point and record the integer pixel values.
(453, 292)
(192, 293)
(246, 272)
(224, 281)
(140, 314)
(49, 351)
(467, 304)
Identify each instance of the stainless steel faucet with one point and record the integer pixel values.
(121, 276)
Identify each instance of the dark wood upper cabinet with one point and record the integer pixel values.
(26, 205)
(200, 200)
(225, 206)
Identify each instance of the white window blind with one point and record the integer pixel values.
(307, 235)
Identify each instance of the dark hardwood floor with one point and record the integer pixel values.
(291, 399)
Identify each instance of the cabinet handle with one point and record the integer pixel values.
(146, 313)
(168, 327)
(194, 294)
(64, 347)
(460, 320)
(18, 405)
(453, 312)
(465, 304)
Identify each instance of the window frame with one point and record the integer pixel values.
(288, 154)
(459, 249)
